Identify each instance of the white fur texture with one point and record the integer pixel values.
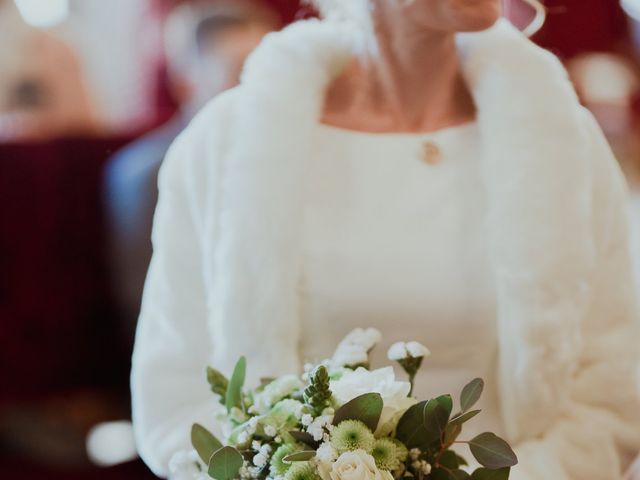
(229, 224)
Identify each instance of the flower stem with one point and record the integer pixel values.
(412, 377)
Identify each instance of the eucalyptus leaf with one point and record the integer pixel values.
(225, 464)
(234, 391)
(446, 402)
(465, 417)
(452, 432)
(439, 474)
(449, 459)
(204, 442)
(460, 475)
(471, 394)
(487, 474)
(366, 408)
(492, 452)
(423, 423)
(304, 437)
(300, 456)
(437, 414)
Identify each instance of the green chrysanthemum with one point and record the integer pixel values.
(385, 454)
(302, 471)
(277, 467)
(352, 435)
(402, 452)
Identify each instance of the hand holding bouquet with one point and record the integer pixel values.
(342, 421)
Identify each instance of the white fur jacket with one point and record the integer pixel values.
(225, 267)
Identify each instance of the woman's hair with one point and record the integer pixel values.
(358, 9)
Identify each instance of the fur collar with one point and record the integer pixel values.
(542, 253)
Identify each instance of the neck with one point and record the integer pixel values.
(414, 80)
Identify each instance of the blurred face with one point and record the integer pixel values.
(222, 58)
(449, 15)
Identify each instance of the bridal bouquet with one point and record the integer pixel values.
(341, 420)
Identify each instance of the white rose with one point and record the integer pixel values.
(383, 381)
(357, 465)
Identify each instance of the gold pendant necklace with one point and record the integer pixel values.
(431, 152)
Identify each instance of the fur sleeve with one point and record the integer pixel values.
(172, 345)
(599, 433)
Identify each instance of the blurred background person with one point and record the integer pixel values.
(206, 44)
(43, 92)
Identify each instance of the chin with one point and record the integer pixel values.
(473, 16)
(478, 22)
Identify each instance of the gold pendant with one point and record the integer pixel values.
(431, 153)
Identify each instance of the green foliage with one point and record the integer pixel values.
(460, 475)
(303, 456)
(471, 394)
(365, 408)
(492, 452)
(234, 390)
(317, 394)
(451, 433)
(225, 464)
(218, 382)
(204, 442)
(447, 474)
(465, 417)
(449, 459)
(424, 423)
(304, 437)
(486, 474)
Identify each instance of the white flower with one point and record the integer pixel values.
(243, 437)
(306, 419)
(416, 349)
(414, 453)
(326, 453)
(185, 465)
(355, 347)
(254, 471)
(265, 449)
(317, 427)
(275, 391)
(259, 460)
(357, 465)
(402, 350)
(270, 431)
(383, 381)
(256, 445)
(367, 339)
(422, 466)
(350, 355)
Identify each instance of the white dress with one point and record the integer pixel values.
(408, 257)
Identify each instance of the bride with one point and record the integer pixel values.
(420, 167)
